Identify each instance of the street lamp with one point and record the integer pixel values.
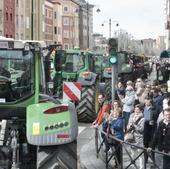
(110, 26)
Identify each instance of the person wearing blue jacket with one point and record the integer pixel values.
(117, 130)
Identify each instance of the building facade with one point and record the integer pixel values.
(20, 19)
(1, 18)
(57, 21)
(70, 24)
(167, 24)
(48, 37)
(66, 22)
(86, 24)
(160, 43)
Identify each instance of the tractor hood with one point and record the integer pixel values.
(69, 76)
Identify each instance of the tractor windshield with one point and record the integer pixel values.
(16, 75)
(73, 62)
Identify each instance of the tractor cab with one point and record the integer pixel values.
(16, 72)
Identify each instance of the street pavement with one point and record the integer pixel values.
(86, 150)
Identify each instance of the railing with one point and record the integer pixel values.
(122, 145)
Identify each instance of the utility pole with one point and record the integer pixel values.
(87, 24)
(32, 17)
(113, 59)
(110, 27)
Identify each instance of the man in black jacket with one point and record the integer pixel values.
(161, 138)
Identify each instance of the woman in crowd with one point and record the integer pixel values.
(135, 126)
(116, 122)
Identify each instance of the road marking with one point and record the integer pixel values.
(81, 129)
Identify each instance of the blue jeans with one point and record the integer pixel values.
(126, 116)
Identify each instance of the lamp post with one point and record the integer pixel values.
(110, 26)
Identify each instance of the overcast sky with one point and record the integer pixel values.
(140, 18)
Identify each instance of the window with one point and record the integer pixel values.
(22, 20)
(27, 22)
(66, 21)
(0, 16)
(19, 67)
(16, 19)
(58, 30)
(65, 8)
(11, 17)
(55, 30)
(7, 16)
(17, 3)
(66, 34)
(55, 15)
(66, 46)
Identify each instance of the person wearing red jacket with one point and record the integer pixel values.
(104, 107)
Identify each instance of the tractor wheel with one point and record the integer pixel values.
(108, 89)
(86, 109)
(57, 157)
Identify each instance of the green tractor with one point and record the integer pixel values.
(78, 66)
(37, 131)
(104, 71)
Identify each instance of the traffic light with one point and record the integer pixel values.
(113, 45)
(113, 59)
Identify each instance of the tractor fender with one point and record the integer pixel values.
(88, 81)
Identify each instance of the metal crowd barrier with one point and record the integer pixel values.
(100, 142)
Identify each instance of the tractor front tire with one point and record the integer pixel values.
(86, 109)
(57, 157)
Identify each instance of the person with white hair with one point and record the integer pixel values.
(128, 103)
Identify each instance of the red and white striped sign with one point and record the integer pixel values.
(72, 91)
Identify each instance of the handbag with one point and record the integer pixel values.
(129, 137)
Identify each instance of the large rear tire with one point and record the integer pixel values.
(57, 157)
(86, 109)
(108, 89)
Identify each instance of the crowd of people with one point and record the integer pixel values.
(140, 114)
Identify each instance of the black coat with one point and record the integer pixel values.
(162, 137)
(149, 129)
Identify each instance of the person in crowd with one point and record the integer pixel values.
(145, 94)
(164, 91)
(104, 107)
(120, 91)
(136, 126)
(128, 103)
(116, 123)
(115, 105)
(161, 138)
(139, 87)
(129, 83)
(105, 126)
(151, 113)
(157, 100)
(166, 104)
(155, 83)
(139, 83)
